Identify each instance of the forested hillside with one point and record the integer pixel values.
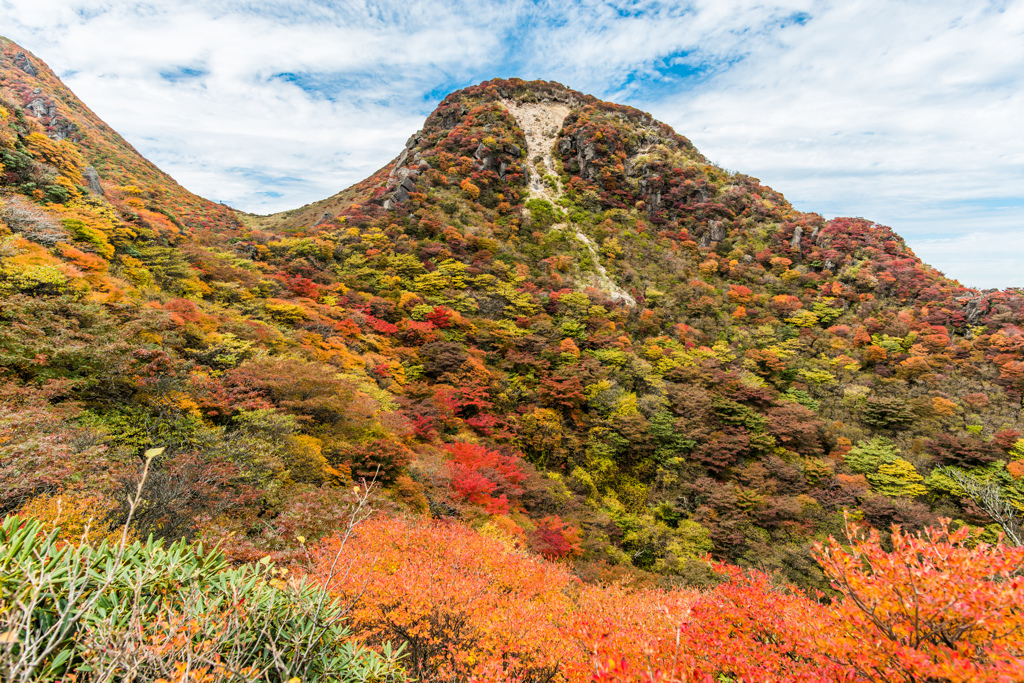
(550, 319)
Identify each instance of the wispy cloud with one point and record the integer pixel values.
(903, 112)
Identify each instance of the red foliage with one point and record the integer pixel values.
(441, 317)
(377, 460)
(555, 539)
(484, 477)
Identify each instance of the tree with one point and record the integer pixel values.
(989, 498)
(940, 606)
(484, 477)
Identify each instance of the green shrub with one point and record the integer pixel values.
(145, 611)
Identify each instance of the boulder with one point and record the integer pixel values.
(39, 108)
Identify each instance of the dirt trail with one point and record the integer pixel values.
(541, 122)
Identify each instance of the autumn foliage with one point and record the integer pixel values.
(937, 607)
(668, 379)
(940, 606)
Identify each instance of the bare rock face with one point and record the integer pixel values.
(974, 308)
(539, 121)
(22, 61)
(93, 180)
(40, 108)
(61, 129)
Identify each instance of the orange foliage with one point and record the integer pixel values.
(76, 516)
(462, 603)
(469, 608)
(935, 608)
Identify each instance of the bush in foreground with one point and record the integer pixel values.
(149, 612)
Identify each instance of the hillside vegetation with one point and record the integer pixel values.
(584, 351)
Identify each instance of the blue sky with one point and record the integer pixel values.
(907, 113)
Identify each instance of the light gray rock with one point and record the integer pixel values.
(401, 158)
(39, 108)
(717, 231)
(22, 61)
(798, 233)
(92, 178)
(974, 309)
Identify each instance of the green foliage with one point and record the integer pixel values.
(90, 235)
(897, 478)
(886, 413)
(801, 398)
(889, 474)
(145, 607)
(869, 456)
(543, 214)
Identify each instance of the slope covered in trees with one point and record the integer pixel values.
(658, 361)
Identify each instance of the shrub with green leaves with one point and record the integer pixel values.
(143, 611)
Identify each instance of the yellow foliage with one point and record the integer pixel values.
(60, 154)
(285, 312)
(305, 459)
(709, 267)
(77, 516)
(470, 189)
(943, 407)
(803, 318)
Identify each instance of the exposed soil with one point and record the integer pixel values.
(541, 122)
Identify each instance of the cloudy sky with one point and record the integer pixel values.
(905, 112)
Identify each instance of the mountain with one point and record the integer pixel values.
(550, 317)
(108, 164)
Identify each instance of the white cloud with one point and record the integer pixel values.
(903, 112)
